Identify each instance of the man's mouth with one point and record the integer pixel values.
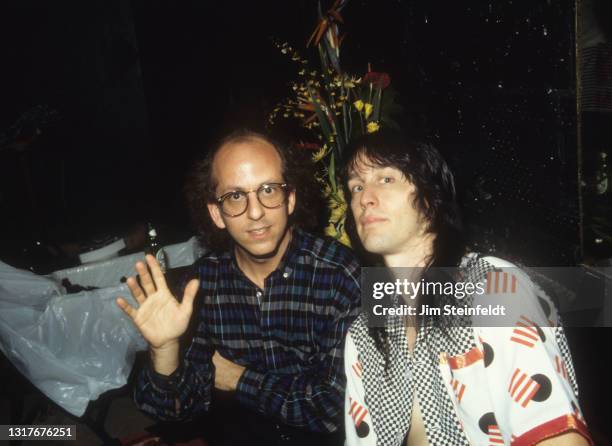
(257, 232)
(371, 219)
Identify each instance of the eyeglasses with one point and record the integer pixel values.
(270, 195)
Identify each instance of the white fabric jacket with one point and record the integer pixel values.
(476, 385)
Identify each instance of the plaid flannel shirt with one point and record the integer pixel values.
(289, 336)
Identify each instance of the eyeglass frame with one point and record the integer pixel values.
(219, 200)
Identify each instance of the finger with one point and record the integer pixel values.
(127, 308)
(158, 275)
(136, 291)
(191, 291)
(146, 282)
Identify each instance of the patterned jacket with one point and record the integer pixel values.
(475, 385)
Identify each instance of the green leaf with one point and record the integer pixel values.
(322, 117)
(332, 173)
(377, 102)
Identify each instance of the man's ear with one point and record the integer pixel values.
(291, 201)
(215, 215)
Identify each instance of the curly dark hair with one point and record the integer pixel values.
(297, 172)
(435, 199)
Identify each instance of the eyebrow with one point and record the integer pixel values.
(232, 188)
(354, 175)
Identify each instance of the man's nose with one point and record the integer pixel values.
(255, 210)
(368, 197)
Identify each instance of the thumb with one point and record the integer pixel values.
(191, 290)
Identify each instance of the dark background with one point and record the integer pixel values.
(142, 88)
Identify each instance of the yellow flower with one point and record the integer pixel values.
(351, 82)
(344, 239)
(358, 104)
(368, 110)
(337, 204)
(337, 230)
(330, 230)
(373, 127)
(320, 154)
(340, 194)
(338, 212)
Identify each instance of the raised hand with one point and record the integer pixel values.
(160, 318)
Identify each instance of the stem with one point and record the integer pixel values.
(332, 172)
(345, 112)
(377, 101)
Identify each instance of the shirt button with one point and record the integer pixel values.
(258, 294)
(285, 275)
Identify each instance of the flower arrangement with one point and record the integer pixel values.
(335, 107)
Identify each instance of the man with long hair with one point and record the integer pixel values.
(436, 379)
(274, 305)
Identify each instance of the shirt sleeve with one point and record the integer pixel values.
(312, 399)
(187, 391)
(529, 372)
(357, 420)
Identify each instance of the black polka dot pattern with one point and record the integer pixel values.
(363, 430)
(489, 354)
(545, 389)
(487, 420)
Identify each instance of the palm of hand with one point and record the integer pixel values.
(160, 318)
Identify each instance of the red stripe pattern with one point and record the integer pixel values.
(560, 366)
(357, 369)
(357, 412)
(495, 436)
(525, 333)
(522, 388)
(465, 360)
(500, 282)
(458, 388)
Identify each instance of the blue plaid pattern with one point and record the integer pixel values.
(289, 336)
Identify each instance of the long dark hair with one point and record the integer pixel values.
(201, 184)
(435, 199)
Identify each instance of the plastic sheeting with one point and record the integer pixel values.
(74, 347)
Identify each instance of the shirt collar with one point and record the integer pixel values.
(287, 262)
(292, 254)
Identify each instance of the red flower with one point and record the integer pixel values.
(380, 80)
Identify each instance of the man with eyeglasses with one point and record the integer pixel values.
(274, 305)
